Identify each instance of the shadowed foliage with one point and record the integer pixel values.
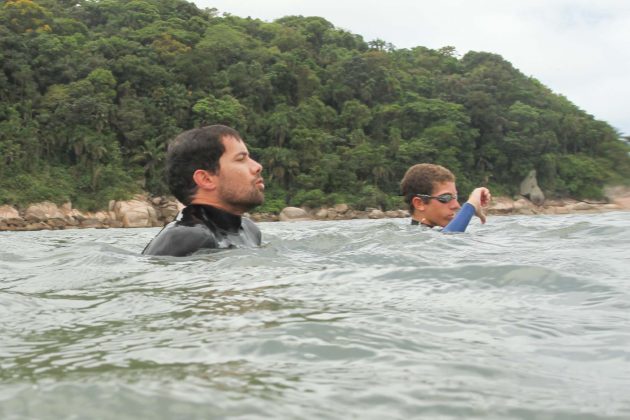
(91, 92)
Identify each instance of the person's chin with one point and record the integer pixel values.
(260, 200)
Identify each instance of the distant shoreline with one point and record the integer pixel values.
(143, 211)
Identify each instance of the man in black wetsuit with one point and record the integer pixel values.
(210, 171)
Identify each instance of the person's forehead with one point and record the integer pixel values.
(233, 145)
(444, 187)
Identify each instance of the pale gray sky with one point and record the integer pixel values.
(578, 48)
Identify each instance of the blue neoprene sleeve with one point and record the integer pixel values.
(461, 220)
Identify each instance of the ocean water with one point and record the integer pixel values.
(524, 318)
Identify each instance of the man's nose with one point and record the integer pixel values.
(455, 205)
(257, 167)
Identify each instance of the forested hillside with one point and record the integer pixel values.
(91, 91)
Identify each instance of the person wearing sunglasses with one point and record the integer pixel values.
(431, 194)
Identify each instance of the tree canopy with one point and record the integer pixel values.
(91, 92)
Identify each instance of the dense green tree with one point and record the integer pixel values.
(226, 110)
(91, 91)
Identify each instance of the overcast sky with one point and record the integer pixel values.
(578, 48)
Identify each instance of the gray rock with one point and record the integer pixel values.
(135, 213)
(41, 212)
(501, 206)
(530, 189)
(293, 214)
(522, 204)
(91, 223)
(376, 214)
(321, 214)
(341, 208)
(9, 215)
(581, 206)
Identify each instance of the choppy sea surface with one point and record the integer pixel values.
(524, 317)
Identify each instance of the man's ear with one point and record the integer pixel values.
(418, 203)
(205, 179)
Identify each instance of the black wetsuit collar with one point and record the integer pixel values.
(222, 219)
(415, 223)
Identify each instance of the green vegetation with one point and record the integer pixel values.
(91, 92)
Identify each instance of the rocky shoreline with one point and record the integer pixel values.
(143, 211)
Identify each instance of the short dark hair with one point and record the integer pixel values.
(199, 148)
(421, 179)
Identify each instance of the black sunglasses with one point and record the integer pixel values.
(442, 198)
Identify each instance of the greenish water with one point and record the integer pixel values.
(525, 317)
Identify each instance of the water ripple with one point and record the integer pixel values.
(525, 317)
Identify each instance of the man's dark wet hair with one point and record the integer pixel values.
(421, 179)
(199, 148)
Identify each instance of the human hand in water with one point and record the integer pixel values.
(480, 198)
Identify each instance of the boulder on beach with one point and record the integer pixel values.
(135, 213)
(45, 212)
(293, 214)
(9, 214)
(169, 210)
(321, 213)
(529, 188)
(523, 206)
(501, 205)
(341, 208)
(10, 218)
(375, 213)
